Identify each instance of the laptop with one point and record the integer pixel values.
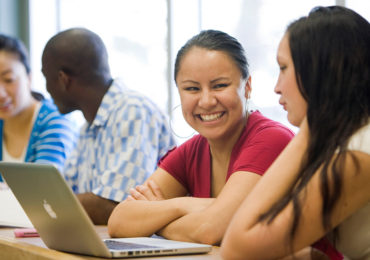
(64, 225)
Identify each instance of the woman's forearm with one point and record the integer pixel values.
(209, 224)
(142, 218)
(194, 227)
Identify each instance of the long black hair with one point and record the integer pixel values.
(330, 49)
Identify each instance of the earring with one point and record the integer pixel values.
(247, 102)
(183, 126)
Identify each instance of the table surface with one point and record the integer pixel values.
(33, 248)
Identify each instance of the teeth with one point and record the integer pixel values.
(210, 117)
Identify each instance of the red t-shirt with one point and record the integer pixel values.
(259, 144)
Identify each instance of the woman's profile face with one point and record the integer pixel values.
(287, 87)
(15, 89)
(213, 93)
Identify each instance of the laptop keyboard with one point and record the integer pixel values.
(118, 245)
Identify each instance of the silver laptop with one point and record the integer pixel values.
(63, 224)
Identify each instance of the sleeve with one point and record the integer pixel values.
(174, 163)
(129, 152)
(326, 247)
(360, 141)
(52, 140)
(259, 151)
(186, 162)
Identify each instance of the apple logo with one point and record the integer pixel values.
(49, 210)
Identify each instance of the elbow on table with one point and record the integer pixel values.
(226, 252)
(113, 227)
(208, 234)
(118, 227)
(118, 222)
(235, 246)
(230, 252)
(208, 239)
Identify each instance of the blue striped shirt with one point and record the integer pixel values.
(121, 147)
(52, 139)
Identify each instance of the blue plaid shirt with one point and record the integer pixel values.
(122, 146)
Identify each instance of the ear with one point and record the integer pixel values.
(248, 87)
(64, 80)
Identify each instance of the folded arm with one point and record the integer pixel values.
(143, 214)
(209, 224)
(174, 215)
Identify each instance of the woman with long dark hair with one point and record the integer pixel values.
(319, 185)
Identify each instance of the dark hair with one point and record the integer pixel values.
(331, 56)
(15, 46)
(218, 41)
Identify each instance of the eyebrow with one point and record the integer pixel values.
(6, 72)
(196, 82)
(189, 81)
(220, 78)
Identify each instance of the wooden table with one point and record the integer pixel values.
(34, 249)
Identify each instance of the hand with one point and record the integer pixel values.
(150, 192)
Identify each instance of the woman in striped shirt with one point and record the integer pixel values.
(31, 127)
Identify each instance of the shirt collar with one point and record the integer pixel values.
(109, 100)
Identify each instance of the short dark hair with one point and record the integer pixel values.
(13, 45)
(219, 41)
(79, 52)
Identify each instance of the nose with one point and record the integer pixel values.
(277, 88)
(207, 99)
(3, 93)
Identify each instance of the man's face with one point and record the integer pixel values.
(54, 85)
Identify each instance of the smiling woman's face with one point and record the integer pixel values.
(287, 87)
(213, 93)
(15, 91)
